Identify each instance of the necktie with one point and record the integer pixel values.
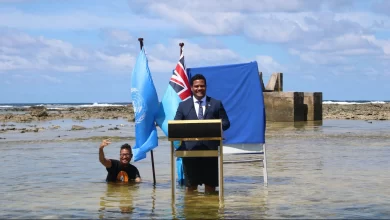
(200, 112)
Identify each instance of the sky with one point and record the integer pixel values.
(84, 51)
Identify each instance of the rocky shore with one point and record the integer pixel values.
(369, 111)
(40, 113)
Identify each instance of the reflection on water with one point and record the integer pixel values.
(199, 206)
(335, 170)
(118, 197)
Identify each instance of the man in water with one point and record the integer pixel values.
(122, 170)
(201, 170)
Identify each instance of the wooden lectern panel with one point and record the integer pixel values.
(195, 129)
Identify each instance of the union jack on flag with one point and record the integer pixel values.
(179, 80)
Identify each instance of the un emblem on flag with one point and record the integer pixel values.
(139, 105)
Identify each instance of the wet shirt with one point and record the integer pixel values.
(119, 173)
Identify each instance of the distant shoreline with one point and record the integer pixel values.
(41, 113)
(369, 111)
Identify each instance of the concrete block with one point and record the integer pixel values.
(275, 83)
(261, 81)
(313, 106)
(284, 106)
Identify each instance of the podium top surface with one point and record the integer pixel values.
(207, 121)
(195, 129)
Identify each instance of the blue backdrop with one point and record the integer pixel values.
(238, 86)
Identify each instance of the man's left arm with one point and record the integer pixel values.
(225, 119)
(137, 176)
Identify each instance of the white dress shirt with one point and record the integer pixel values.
(196, 105)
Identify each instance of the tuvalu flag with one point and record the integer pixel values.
(178, 90)
(145, 104)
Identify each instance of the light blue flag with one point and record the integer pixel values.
(145, 104)
(167, 110)
(178, 90)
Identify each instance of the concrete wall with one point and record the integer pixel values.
(284, 106)
(293, 106)
(313, 106)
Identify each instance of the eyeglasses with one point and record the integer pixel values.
(126, 155)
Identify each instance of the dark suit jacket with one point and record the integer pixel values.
(214, 110)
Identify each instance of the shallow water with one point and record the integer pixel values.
(337, 169)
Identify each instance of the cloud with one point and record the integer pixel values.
(318, 58)
(26, 53)
(22, 52)
(268, 65)
(384, 45)
(122, 61)
(15, 1)
(324, 34)
(304, 26)
(51, 79)
(195, 54)
(309, 77)
(348, 45)
(345, 51)
(208, 55)
(382, 6)
(293, 22)
(76, 20)
(118, 35)
(248, 6)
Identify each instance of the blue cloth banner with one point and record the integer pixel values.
(238, 87)
(145, 104)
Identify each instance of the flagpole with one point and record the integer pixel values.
(141, 44)
(181, 47)
(181, 52)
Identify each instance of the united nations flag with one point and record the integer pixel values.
(145, 104)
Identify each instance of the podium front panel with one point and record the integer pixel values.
(194, 130)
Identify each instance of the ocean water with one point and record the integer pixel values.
(334, 169)
(58, 106)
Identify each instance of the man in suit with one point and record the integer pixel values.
(201, 170)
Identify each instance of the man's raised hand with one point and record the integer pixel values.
(105, 143)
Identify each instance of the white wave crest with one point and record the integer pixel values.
(353, 103)
(100, 105)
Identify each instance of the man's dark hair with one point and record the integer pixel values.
(127, 147)
(198, 77)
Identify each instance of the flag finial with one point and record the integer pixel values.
(141, 42)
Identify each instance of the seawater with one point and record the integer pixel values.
(335, 169)
(59, 106)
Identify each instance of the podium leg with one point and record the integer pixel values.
(220, 167)
(265, 173)
(173, 170)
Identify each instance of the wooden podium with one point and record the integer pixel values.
(195, 130)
